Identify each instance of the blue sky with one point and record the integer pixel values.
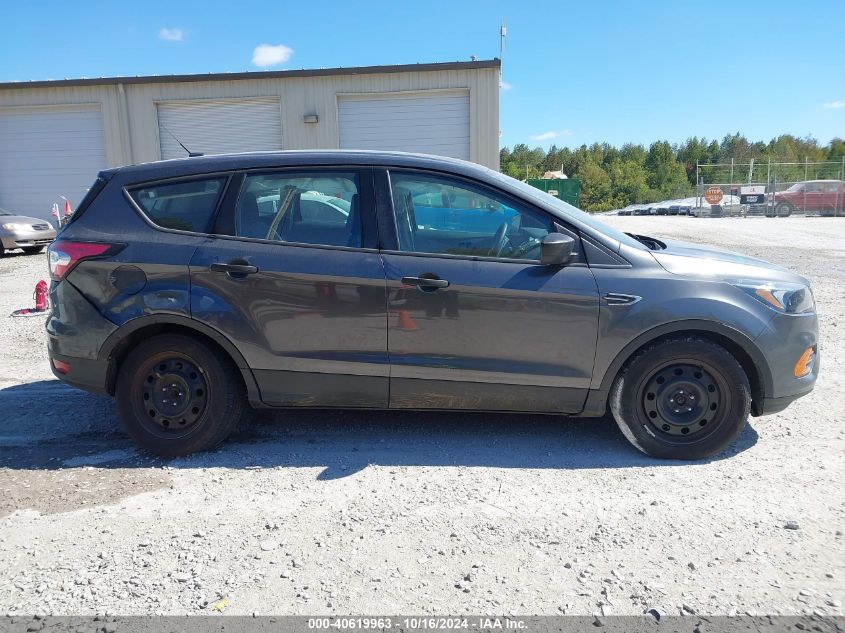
(576, 72)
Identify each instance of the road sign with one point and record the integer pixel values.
(752, 198)
(713, 195)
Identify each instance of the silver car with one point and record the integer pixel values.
(20, 231)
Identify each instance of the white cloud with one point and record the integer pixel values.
(171, 35)
(504, 85)
(266, 55)
(548, 136)
(835, 104)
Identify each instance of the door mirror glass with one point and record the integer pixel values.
(556, 249)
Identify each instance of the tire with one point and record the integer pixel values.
(32, 250)
(676, 384)
(783, 210)
(176, 395)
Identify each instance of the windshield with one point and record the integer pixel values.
(569, 210)
(798, 186)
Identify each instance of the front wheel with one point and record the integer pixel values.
(681, 398)
(176, 395)
(783, 210)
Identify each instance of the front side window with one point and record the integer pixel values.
(439, 215)
(307, 208)
(186, 205)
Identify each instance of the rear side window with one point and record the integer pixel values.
(320, 208)
(186, 205)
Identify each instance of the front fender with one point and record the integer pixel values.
(672, 304)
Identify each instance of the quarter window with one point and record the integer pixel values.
(440, 215)
(308, 208)
(187, 205)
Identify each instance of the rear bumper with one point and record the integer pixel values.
(75, 333)
(83, 373)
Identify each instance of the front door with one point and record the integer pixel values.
(475, 321)
(297, 284)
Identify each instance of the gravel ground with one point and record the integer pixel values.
(425, 513)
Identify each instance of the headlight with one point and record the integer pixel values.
(784, 297)
(14, 226)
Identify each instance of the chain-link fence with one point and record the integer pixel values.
(772, 189)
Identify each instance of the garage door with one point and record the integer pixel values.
(219, 126)
(46, 153)
(428, 123)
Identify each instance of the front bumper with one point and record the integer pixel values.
(783, 342)
(26, 239)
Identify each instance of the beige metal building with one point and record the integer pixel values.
(56, 135)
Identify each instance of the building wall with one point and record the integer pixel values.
(131, 125)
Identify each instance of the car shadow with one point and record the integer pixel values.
(48, 425)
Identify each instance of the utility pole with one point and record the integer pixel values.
(503, 33)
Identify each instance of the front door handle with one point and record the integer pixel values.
(234, 270)
(425, 283)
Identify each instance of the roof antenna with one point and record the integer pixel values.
(190, 153)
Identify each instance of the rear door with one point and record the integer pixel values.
(296, 282)
(475, 321)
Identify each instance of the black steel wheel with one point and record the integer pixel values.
(177, 395)
(174, 395)
(681, 398)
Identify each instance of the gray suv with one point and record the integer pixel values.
(192, 288)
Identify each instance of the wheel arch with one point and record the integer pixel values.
(742, 348)
(120, 342)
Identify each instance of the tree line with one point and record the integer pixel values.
(613, 177)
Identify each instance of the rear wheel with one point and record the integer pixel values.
(683, 398)
(176, 395)
(32, 250)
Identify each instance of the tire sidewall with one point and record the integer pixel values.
(215, 422)
(630, 413)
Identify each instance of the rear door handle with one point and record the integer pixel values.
(238, 270)
(425, 282)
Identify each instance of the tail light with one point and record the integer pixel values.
(64, 256)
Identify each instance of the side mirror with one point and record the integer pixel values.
(556, 249)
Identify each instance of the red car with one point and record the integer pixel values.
(824, 196)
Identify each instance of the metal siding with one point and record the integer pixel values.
(48, 152)
(219, 126)
(133, 137)
(434, 123)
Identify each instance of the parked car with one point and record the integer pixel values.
(20, 231)
(173, 292)
(684, 210)
(661, 210)
(624, 212)
(674, 209)
(826, 197)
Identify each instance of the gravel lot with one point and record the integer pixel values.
(426, 513)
